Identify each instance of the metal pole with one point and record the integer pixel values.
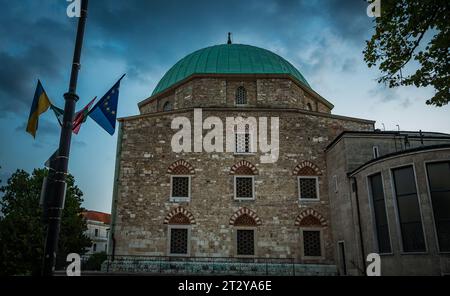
(57, 178)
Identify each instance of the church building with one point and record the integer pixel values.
(337, 191)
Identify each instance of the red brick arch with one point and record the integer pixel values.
(310, 217)
(245, 217)
(243, 167)
(306, 168)
(179, 215)
(181, 167)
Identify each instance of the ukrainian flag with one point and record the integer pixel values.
(41, 103)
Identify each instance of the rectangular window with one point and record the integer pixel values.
(179, 241)
(243, 143)
(95, 247)
(181, 188)
(244, 187)
(439, 184)
(408, 210)
(96, 232)
(245, 242)
(379, 211)
(312, 243)
(308, 188)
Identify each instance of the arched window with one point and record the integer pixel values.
(308, 181)
(244, 187)
(245, 222)
(241, 96)
(179, 222)
(308, 107)
(180, 181)
(167, 106)
(311, 225)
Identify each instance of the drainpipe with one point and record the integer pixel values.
(112, 238)
(358, 212)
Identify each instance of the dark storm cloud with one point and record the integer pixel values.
(150, 36)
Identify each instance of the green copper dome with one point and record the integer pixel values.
(228, 59)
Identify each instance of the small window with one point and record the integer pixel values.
(167, 106)
(96, 232)
(376, 153)
(312, 246)
(181, 188)
(245, 242)
(244, 187)
(308, 188)
(95, 247)
(241, 96)
(335, 183)
(308, 107)
(179, 241)
(243, 143)
(105, 247)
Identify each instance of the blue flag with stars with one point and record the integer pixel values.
(105, 111)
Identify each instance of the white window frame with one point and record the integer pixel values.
(375, 152)
(253, 187)
(317, 188)
(302, 243)
(180, 198)
(169, 239)
(250, 134)
(236, 228)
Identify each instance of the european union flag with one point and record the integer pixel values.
(105, 111)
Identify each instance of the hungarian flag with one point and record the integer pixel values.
(78, 117)
(81, 117)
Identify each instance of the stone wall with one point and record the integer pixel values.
(220, 92)
(144, 186)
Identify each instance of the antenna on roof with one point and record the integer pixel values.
(229, 38)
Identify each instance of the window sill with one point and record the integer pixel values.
(244, 199)
(309, 200)
(179, 199)
(414, 253)
(244, 153)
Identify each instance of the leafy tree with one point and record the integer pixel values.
(408, 31)
(95, 261)
(22, 232)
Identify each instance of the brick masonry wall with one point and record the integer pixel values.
(144, 186)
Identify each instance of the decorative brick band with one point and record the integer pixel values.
(245, 217)
(310, 217)
(243, 167)
(181, 167)
(306, 168)
(179, 215)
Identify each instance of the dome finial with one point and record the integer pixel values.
(229, 38)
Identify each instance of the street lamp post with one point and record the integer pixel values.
(56, 186)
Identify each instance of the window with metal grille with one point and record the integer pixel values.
(179, 241)
(167, 106)
(308, 188)
(410, 218)
(439, 184)
(243, 143)
(311, 243)
(379, 210)
(243, 187)
(245, 239)
(180, 187)
(241, 96)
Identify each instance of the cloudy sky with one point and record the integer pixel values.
(323, 39)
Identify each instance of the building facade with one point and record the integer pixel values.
(98, 226)
(198, 204)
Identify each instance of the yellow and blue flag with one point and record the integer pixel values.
(41, 103)
(105, 111)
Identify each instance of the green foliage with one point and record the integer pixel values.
(95, 261)
(22, 232)
(400, 39)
